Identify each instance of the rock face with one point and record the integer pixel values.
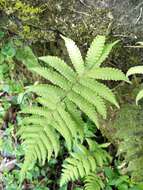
(82, 20)
(76, 18)
(127, 15)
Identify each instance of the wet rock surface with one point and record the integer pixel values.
(127, 15)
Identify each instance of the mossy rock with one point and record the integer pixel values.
(80, 20)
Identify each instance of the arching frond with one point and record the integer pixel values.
(106, 74)
(60, 66)
(136, 70)
(101, 89)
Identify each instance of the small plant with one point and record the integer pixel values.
(58, 106)
(85, 164)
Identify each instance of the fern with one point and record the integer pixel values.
(92, 182)
(136, 70)
(82, 163)
(59, 105)
(95, 51)
(129, 126)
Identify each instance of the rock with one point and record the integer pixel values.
(82, 20)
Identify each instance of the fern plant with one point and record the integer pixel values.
(84, 164)
(92, 181)
(136, 70)
(59, 104)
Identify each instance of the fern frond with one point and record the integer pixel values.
(49, 95)
(38, 126)
(95, 51)
(60, 66)
(47, 102)
(75, 55)
(33, 120)
(53, 76)
(92, 98)
(106, 74)
(76, 116)
(85, 106)
(75, 167)
(105, 53)
(68, 121)
(35, 152)
(47, 91)
(62, 128)
(135, 70)
(39, 145)
(100, 89)
(80, 164)
(35, 110)
(93, 182)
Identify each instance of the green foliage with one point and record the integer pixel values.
(57, 110)
(12, 71)
(136, 70)
(57, 113)
(83, 162)
(26, 55)
(18, 16)
(8, 147)
(11, 179)
(114, 179)
(7, 53)
(129, 126)
(92, 181)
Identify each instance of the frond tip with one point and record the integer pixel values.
(136, 70)
(107, 73)
(75, 55)
(95, 51)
